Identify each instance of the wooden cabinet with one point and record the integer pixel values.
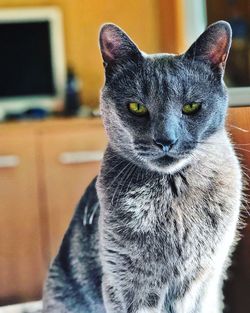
(44, 169)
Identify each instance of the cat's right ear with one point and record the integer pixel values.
(116, 47)
(213, 45)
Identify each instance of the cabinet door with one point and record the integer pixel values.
(71, 160)
(21, 264)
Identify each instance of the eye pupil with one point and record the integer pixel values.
(191, 108)
(137, 109)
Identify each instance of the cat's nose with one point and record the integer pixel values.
(165, 144)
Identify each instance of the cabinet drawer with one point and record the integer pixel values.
(70, 160)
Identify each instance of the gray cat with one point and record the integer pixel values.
(157, 235)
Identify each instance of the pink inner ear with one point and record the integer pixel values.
(218, 52)
(111, 43)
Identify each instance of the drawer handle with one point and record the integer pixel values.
(9, 161)
(78, 157)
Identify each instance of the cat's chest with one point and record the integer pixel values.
(179, 212)
(158, 205)
(171, 212)
(147, 207)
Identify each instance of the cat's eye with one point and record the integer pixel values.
(191, 108)
(137, 109)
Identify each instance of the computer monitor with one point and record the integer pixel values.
(32, 59)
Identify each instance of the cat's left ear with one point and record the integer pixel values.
(213, 45)
(115, 45)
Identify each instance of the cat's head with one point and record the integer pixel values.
(158, 108)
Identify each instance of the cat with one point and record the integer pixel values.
(154, 232)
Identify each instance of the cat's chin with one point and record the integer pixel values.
(168, 165)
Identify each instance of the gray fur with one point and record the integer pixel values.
(161, 240)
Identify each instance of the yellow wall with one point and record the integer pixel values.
(82, 20)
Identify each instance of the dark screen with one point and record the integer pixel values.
(25, 59)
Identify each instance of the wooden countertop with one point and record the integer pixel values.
(50, 124)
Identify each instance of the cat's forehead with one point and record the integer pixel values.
(161, 78)
(174, 66)
(170, 76)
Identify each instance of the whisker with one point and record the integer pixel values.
(124, 168)
(242, 149)
(128, 167)
(131, 173)
(239, 128)
(220, 143)
(131, 168)
(114, 167)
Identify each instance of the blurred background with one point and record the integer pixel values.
(51, 135)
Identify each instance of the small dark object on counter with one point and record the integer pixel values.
(72, 97)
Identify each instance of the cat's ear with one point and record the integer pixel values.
(213, 45)
(116, 46)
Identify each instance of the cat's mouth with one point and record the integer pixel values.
(165, 160)
(169, 163)
(167, 157)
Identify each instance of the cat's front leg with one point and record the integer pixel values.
(120, 300)
(112, 297)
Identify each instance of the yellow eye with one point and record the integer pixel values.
(137, 109)
(191, 108)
